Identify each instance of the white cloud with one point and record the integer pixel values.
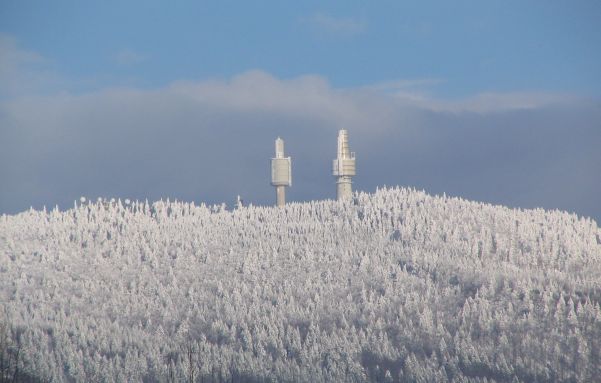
(313, 95)
(180, 140)
(404, 84)
(12, 56)
(22, 71)
(340, 26)
(496, 102)
(257, 91)
(128, 57)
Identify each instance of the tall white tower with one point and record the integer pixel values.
(281, 172)
(344, 167)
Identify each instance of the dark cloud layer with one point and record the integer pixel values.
(209, 141)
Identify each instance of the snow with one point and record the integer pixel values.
(392, 286)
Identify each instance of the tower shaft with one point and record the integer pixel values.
(280, 195)
(344, 188)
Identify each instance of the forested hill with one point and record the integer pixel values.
(396, 286)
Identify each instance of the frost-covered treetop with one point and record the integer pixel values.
(392, 286)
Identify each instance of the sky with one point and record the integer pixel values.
(496, 101)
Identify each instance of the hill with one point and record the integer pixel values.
(395, 286)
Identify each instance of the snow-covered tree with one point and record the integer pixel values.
(393, 286)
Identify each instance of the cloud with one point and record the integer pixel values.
(13, 57)
(127, 57)
(495, 102)
(393, 86)
(22, 71)
(210, 140)
(338, 26)
(418, 93)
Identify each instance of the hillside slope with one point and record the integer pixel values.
(392, 286)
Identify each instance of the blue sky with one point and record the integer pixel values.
(497, 101)
(468, 46)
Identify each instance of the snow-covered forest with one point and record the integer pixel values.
(395, 286)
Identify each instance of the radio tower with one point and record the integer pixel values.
(281, 172)
(344, 167)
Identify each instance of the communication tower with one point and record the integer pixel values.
(344, 167)
(281, 172)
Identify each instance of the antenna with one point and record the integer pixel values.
(344, 167)
(281, 172)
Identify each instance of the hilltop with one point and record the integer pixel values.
(395, 286)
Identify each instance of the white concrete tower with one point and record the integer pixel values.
(281, 172)
(344, 167)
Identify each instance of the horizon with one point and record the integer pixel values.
(495, 103)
